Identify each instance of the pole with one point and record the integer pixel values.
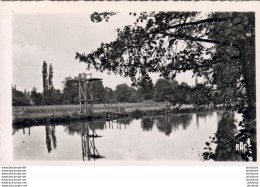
(80, 95)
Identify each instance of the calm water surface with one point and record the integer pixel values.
(173, 137)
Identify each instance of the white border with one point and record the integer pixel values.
(7, 9)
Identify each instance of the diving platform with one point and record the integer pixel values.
(86, 100)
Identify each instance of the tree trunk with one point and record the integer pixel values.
(248, 66)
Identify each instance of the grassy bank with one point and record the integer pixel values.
(40, 111)
(30, 121)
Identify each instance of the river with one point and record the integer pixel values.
(176, 137)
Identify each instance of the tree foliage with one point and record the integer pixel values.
(37, 98)
(98, 17)
(45, 78)
(70, 90)
(98, 91)
(19, 98)
(217, 46)
(50, 82)
(109, 96)
(145, 90)
(123, 92)
(211, 45)
(164, 89)
(48, 87)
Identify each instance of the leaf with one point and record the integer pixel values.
(222, 40)
(236, 21)
(171, 42)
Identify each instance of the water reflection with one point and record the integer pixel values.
(117, 124)
(87, 130)
(203, 115)
(88, 135)
(50, 137)
(147, 138)
(96, 125)
(147, 123)
(167, 123)
(225, 135)
(225, 141)
(72, 128)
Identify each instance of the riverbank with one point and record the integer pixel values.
(59, 110)
(29, 121)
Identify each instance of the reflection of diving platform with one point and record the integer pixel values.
(89, 150)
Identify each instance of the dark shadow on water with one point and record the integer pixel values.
(225, 140)
(226, 147)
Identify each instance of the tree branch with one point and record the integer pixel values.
(198, 22)
(183, 37)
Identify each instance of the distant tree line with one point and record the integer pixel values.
(164, 90)
(20, 98)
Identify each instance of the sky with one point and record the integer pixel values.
(55, 38)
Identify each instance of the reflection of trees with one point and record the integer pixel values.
(72, 128)
(53, 136)
(97, 125)
(166, 124)
(125, 121)
(163, 124)
(147, 123)
(203, 115)
(15, 129)
(75, 127)
(226, 142)
(119, 123)
(50, 137)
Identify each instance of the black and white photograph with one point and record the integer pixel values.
(134, 86)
